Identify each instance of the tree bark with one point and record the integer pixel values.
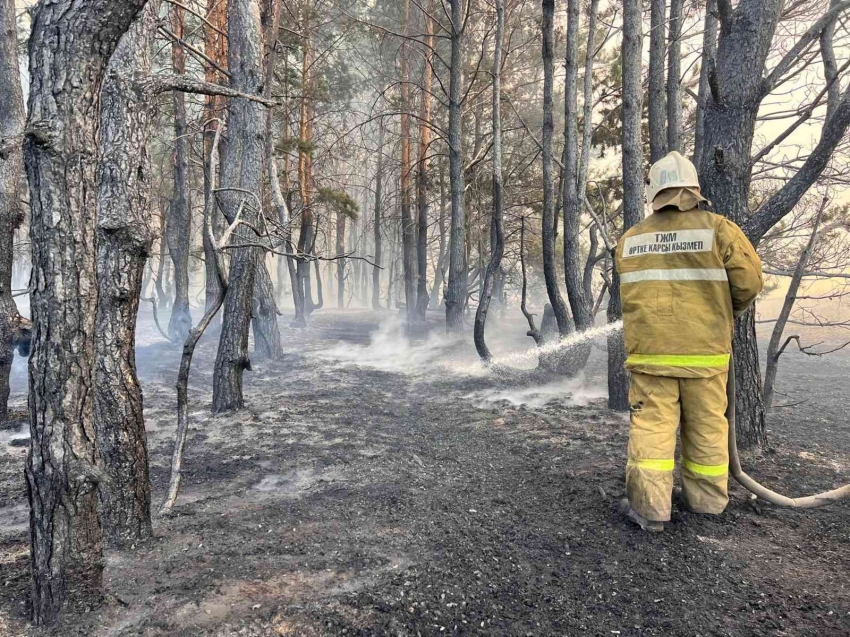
(124, 241)
(633, 189)
(457, 285)
(13, 328)
(180, 217)
(550, 270)
(379, 182)
(70, 46)
(424, 181)
(242, 166)
(498, 234)
(267, 342)
(674, 75)
(656, 98)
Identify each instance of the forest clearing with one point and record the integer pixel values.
(412, 317)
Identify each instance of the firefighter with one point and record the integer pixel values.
(685, 273)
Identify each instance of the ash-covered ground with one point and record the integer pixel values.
(375, 486)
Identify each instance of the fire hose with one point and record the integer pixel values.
(809, 502)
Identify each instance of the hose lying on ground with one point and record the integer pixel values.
(809, 502)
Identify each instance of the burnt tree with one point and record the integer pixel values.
(242, 168)
(124, 241)
(70, 46)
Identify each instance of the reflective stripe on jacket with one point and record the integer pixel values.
(683, 277)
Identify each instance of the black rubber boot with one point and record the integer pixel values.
(633, 516)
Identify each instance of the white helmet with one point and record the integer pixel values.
(671, 171)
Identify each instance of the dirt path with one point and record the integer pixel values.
(412, 494)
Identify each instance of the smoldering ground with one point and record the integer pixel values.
(377, 485)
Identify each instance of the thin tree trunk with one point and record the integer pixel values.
(580, 304)
(124, 240)
(69, 40)
(267, 342)
(633, 191)
(340, 264)
(656, 98)
(709, 53)
(424, 181)
(12, 118)
(408, 226)
(498, 244)
(242, 166)
(773, 348)
(303, 297)
(440, 270)
(457, 286)
(550, 270)
(379, 181)
(180, 217)
(215, 47)
(674, 74)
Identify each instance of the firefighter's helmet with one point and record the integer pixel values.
(671, 171)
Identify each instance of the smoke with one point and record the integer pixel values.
(436, 354)
(570, 391)
(391, 350)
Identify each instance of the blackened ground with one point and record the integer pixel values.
(396, 497)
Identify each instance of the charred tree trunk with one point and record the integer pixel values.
(379, 182)
(242, 166)
(124, 240)
(498, 235)
(674, 74)
(424, 181)
(13, 328)
(70, 46)
(457, 285)
(656, 97)
(180, 218)
(618, 384)
(550, 270)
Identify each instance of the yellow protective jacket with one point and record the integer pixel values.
(683, 277)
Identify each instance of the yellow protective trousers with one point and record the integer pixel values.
(659, 404)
